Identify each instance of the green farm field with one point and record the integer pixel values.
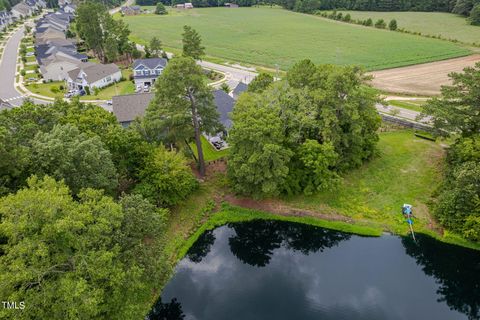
(273, 36)
(447, 25)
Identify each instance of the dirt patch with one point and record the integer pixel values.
(277, 207)
(421, 79)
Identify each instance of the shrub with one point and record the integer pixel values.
(347, 18)
(392, 25)
(54, 89)
(369, 22)
(380, 24)
(23, 73)
(339, 16)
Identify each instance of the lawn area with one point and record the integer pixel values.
(44, 89)
(30, 67)
(274, 36)
(448, 25)
(407, 170)
(122, 87)
(31, 59)
(209, 152)
(411, 105)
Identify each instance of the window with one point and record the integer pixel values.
(138, 73)
(146, 72)
(108, 79)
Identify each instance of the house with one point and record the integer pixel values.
(93, 75)
(239, 89)
(224, 103)
(69, 8)
(146, 71)
(131, 10)
(130, 106)
(58, 68)
(186, 5)
(21, 10)
(231, 5)
(5, 19)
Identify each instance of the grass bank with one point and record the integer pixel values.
(274, 36)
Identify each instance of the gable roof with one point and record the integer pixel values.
(128, 107)
(150, 63)
(224, 105)
(94, 71)
(239, 89)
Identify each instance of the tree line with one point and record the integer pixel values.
(456, 114)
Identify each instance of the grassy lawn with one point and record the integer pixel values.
(448, 25)
(30, 67)
(122, 87)
(44, 89)
(209, 152)
(407, 170)
(31, 49)
(31, 59)
(275, 36)
(411, 105)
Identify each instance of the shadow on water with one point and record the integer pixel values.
(166, 311)
(456, 270)
(255, 241)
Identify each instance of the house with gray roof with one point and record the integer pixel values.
(239, 89)
(93, 75)
(130, 106)
(22, 10)
(146, 71)
(131, 10)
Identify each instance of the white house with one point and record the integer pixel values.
(70, 8)
(93, 75)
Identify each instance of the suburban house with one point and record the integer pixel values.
(130, 106)
(21, 10)
(146, 71)
(239, 89)
(131, 10)
(93, 75)
(69, 8)
(5, 19)
(231, 5)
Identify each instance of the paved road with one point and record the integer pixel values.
(8, 92)
(401, 112)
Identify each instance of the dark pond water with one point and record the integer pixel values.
(279, 270)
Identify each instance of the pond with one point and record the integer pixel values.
(282, 270)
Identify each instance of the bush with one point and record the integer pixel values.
(87, 90)
(23, 73)
(54, 89)
(160, 9)
(392, 25)
(380, 24)
(369, 22)
(339, 16)
(347, 18)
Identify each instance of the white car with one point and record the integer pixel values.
(109, 102)
(30, 54)
(146, 88)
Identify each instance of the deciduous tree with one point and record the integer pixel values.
(192, 43)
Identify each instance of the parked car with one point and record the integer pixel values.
(138, 89)
(109, 102)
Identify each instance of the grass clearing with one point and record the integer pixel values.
(411, 104)
(447, 25)
(408, 170)
(274, 36)
(209, 152)
(44, 89)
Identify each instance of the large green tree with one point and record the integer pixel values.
(183, 107)
(65, 153)
(166, 178)
(78, 259)
(319, 122)
(457, 110)
(192, 43)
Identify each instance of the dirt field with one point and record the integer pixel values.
(421, 79)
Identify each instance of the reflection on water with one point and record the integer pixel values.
(282, 270)
(456, 269)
